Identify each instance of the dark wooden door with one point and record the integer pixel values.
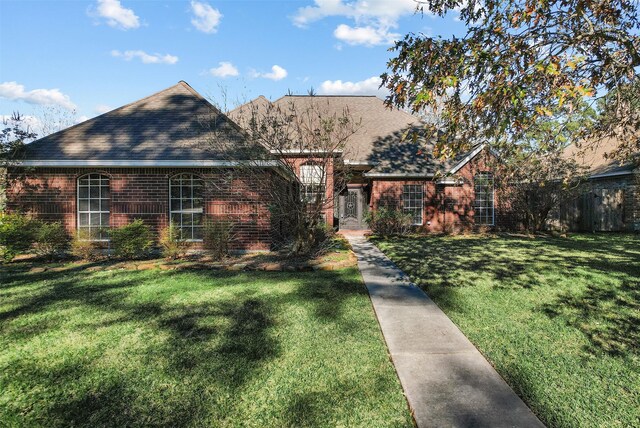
(353, 207)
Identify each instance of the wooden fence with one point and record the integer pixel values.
(599, 210)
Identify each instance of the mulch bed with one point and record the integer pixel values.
(332, 260)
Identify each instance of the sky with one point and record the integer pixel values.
(83, 58)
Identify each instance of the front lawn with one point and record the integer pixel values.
(113, 347)
(559, 318)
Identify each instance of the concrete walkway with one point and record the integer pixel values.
(448, 383)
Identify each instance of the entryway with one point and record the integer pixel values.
(353, 206)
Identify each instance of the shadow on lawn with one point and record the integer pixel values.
(609, 316)
(212, 344)
(606, 310)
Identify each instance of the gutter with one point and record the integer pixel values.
(397, 175)
(148, 163)
(610, 174)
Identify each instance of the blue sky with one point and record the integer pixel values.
(91, 56)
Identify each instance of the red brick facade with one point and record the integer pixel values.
(448, 203)
(143, 193)
(328, 208)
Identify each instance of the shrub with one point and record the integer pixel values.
(17, 234)
(171, 245)
(218, 234)
(83, 247)
(132, 241)
(51, 239)
(323, 237)
(387, 222)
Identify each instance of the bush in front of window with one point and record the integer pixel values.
(51, 239)
(389, 222)
(17, 234)
(171, 246)
(132, 241)
(218, 234)
(84, 246)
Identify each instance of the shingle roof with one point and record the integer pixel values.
(410, 158)
(174, 124)
(593, 158)
(380, 137)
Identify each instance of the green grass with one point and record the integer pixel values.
(558, 318)
(201, 348)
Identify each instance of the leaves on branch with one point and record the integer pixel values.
(521, 63)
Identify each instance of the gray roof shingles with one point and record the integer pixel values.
(381, 139)
(593, 157)
(174, 124)
(179, 124)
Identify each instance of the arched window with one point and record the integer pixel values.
(94, 201)
(484, 199)
(186, 205)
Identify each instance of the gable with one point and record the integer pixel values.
(176, 124)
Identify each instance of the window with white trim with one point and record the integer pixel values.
(186, 205)
(312, 179)
(483, 207)
(94, 203)
(413, 201)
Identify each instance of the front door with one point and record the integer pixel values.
(353, 207)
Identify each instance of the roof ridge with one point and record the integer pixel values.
(329, 95)
(117, 109)
(238, 108)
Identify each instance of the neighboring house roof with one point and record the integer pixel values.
(593, 158)
(176, 125)
(381, 140)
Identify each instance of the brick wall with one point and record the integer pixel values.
(295, 162)
(143, 193)
(447, 207)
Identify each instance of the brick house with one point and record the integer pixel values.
(386, 168)
(153, 160)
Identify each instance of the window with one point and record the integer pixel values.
(186, 205)
(93, 206)
(313, 182)
(412, 201)
(483, 205)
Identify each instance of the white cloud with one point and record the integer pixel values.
(16, 92)
(82, 118)
(373, 18)
(145, 57)
(206, 18)
(116, 15)
(102, 108)
(370, 86)
(384, 12)
(224, 69)
(277, 73)
(368, 36)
